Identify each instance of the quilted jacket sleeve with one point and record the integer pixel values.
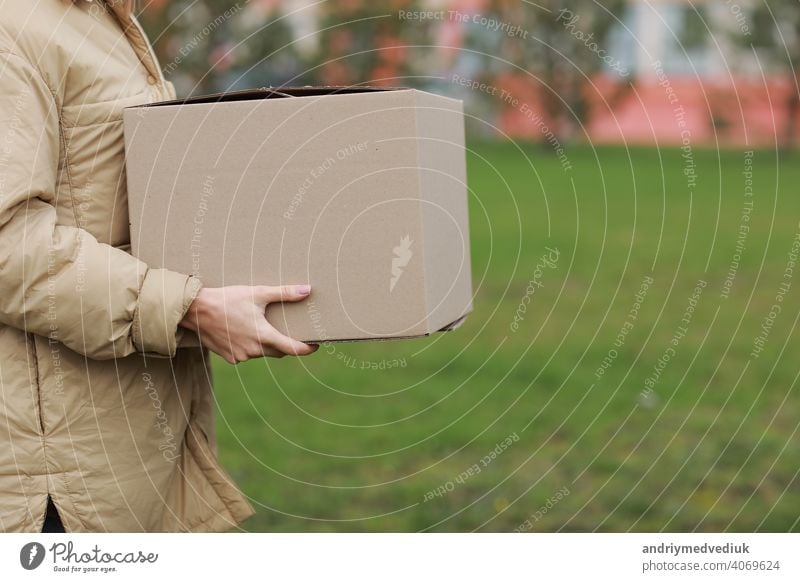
(59, 281)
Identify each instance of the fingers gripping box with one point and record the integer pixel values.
(359, 192)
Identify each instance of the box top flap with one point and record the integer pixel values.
(274, 93)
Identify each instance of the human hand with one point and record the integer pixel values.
(231, 321)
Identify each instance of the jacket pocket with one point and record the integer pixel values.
(87, 113)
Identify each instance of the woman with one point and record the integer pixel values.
(103, 417)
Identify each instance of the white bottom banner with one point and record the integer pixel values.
(401, 557)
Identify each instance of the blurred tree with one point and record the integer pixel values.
(266, 54)
(213, 45)
(693, 34)
(367, 42)
(564, 46)
(776, 37)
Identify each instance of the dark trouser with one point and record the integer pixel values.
(52, 522)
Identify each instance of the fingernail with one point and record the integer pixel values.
(303, 289)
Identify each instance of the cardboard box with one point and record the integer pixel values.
(360, 192)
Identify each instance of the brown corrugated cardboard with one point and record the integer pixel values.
(360, 192)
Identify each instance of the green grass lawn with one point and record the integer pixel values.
(329, 443)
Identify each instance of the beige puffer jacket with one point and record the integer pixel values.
(99, 408)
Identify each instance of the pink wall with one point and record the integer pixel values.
(747, 111)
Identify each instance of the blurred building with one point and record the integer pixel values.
(727, 91)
